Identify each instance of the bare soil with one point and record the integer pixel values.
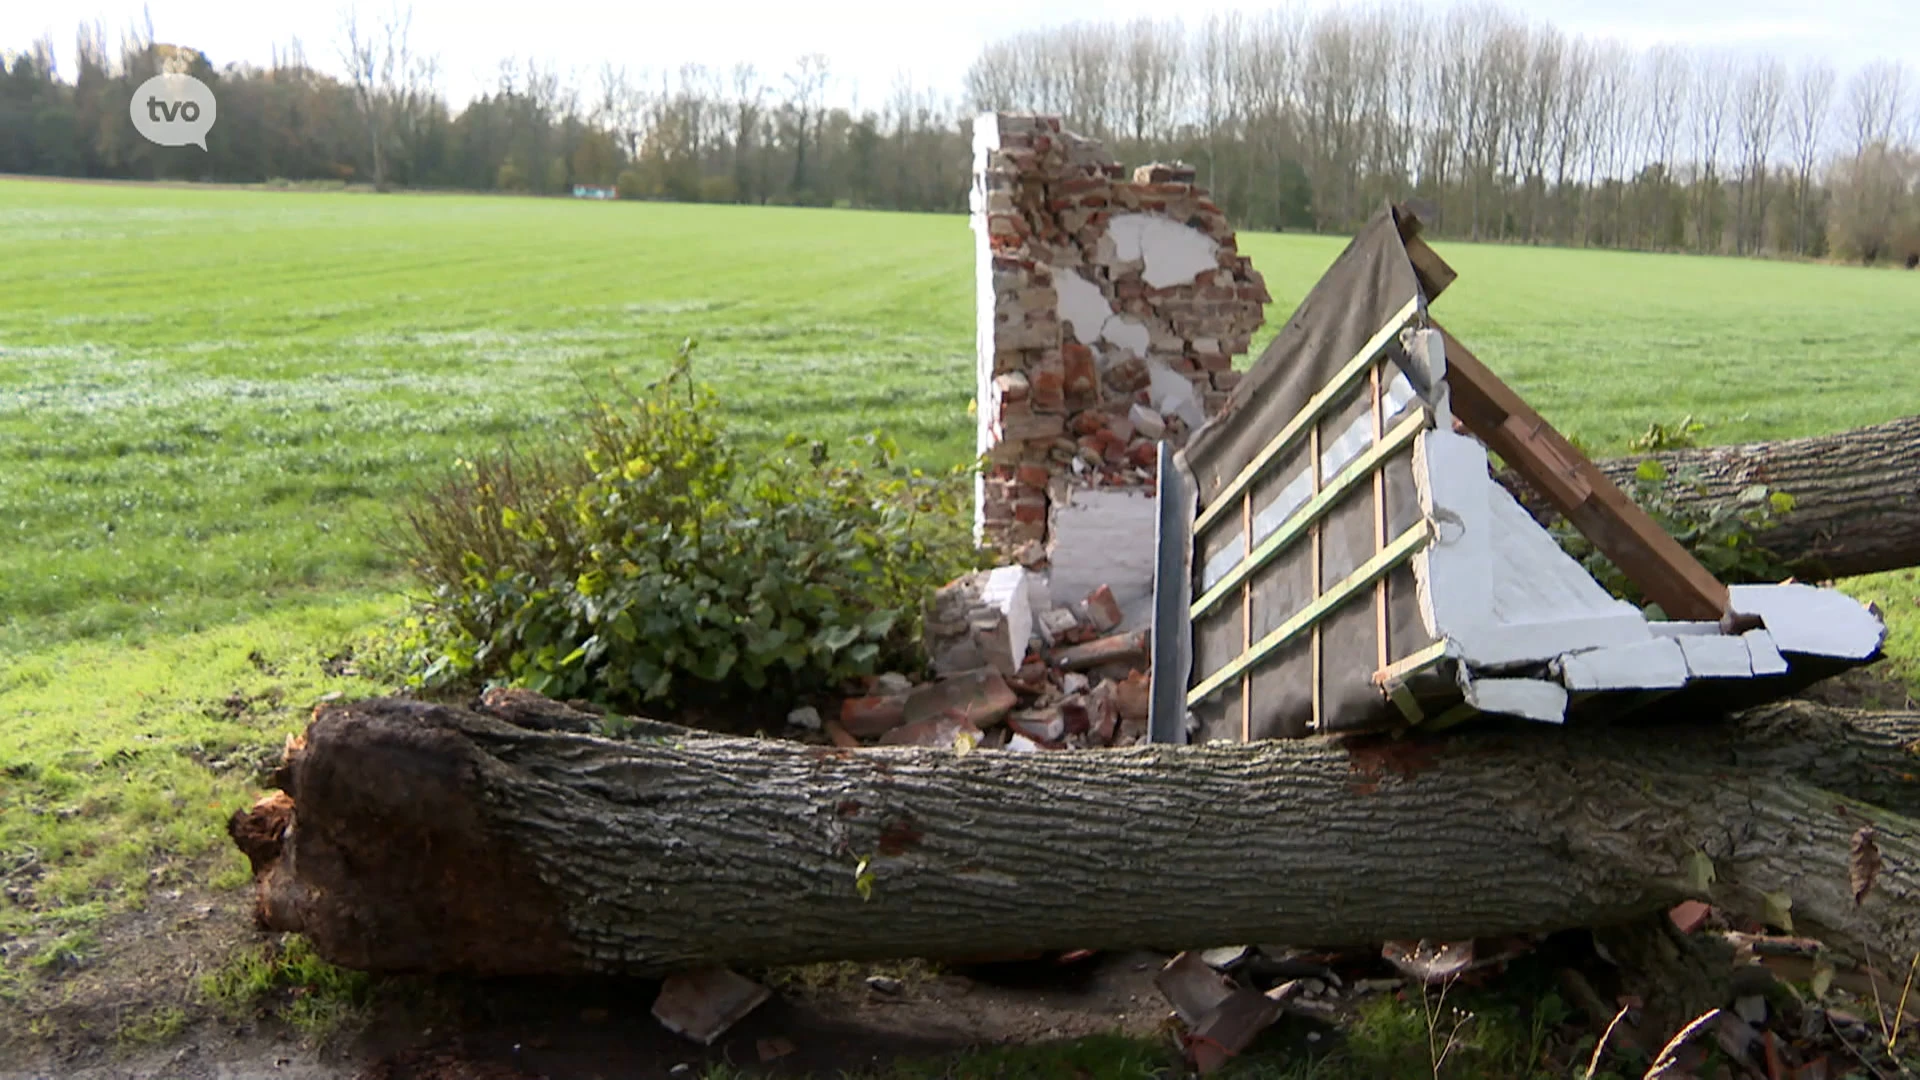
(97, 1021)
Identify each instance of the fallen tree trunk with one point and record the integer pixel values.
(420, 837)
(1856, 494)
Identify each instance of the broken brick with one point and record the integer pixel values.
(939, 732)
(981, 698)
(1133, 696)
(871, 716)
(1103, 611)
(702, 1005)
(1044, 726)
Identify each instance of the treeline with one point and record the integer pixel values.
(693, 134)
(1504, 129)
(1507, 129)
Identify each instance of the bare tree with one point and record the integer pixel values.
(392, 85)
(805, 85)
(1808, 107)
(1762, 88)
(1876, 103)
(1712, 99)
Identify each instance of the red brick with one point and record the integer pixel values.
(1214, 362)
(1034, 476)
(1030, 511)
(1143, 454)
(1088, 422)
(1047, 382)
(939, 733)
(1044, 726)
(1226, 380)
(1103, 611)
(872, 716)
(1078, 371)
(979, 698)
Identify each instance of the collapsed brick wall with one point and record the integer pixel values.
(1110, 313)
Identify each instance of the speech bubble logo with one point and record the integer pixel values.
(173, 110)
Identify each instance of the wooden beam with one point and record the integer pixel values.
(1666, 572)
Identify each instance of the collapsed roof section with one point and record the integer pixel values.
(1336, 556)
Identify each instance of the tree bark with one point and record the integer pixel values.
(423, 837)
(1856, 494)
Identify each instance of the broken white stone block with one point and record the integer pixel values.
(1645, 665)
(1716, 657)
(1058, 621)
(1146, 422)
(1764, 654)
(1681, 628)
(1806, 619)
(806, 718)
(1493, 582)
(1006, 591)
(1532, 699)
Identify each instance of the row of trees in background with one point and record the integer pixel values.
(692, 134)
(1507, 129)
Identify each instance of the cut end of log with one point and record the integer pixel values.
(404, 873)
(259, 830)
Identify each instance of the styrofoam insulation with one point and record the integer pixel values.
(1716, 657)
(1764, 654)
(1493, 583)
(1678, 628)
(1814, 621)
(1656, 664)
(1533, 699)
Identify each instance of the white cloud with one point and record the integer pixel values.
(871, 42)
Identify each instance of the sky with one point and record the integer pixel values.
(872, 43)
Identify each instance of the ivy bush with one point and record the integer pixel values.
(1723, 535)
(659, 560)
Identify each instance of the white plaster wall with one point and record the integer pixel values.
(1102, 536)
(1171, 252)
(1092, 315)
(986, 139)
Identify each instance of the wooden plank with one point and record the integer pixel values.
(1411, 664)
(1403, 699)
(1310, 414)
(1246, 615)
(1402, 549)
(1666, 572)
(1316, 722)
(1379, 531)
(1314, 509)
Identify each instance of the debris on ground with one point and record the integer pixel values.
(702, 1005)
(1067, 682)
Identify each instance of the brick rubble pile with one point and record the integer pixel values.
(1070, 682)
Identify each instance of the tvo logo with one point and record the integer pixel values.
(173, 110)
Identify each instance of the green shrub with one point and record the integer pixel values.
(1723, 535)
(659, 560)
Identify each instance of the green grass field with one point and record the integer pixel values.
(210, 399)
